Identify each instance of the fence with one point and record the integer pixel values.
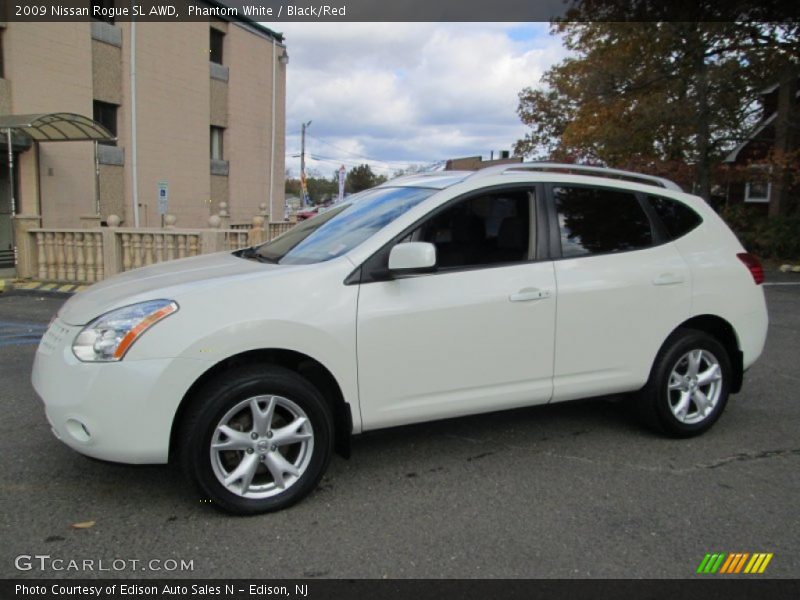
(89, 255)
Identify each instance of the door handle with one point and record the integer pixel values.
(668, 279)
(528, 294)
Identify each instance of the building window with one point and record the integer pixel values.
(217, 148)
(105, 8)
(758, 188)
(105, 113)
(215, 54)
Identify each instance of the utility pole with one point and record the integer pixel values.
(303, 162)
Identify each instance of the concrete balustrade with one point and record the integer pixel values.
(86, 255)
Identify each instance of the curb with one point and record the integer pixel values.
(9, 285)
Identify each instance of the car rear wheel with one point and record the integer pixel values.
(257, 439)
(688, 386)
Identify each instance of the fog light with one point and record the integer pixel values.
(78, 430)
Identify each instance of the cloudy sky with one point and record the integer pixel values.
(408, 93)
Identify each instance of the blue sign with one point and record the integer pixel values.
(163, 197)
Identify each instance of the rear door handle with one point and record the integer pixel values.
(528, 294)
(668, 279)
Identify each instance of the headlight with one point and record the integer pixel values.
(108, 337)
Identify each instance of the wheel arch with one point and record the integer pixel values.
(306, 366)
(723, 332)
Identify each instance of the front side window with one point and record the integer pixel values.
(481, 230)
(341, 228)
(600, 221)
(678, 218)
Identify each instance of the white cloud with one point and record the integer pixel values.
(409, 92)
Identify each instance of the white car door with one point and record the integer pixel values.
(474, 336)
(622, 288)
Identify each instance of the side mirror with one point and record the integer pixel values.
(412, 257)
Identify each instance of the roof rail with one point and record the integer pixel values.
(579, 170)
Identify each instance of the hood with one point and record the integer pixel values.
(164, 280)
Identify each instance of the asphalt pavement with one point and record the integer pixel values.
(571, 490)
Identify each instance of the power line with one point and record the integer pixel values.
(340, 149)
(358, 156)
(382, 164)
(337, 162)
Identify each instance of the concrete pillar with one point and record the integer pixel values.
(112, 247)
(212, 240)
(26, 244)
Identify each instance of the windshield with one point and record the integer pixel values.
(342, 228)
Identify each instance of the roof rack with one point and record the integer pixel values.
(546, 167)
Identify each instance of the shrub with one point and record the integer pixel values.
(775, 238)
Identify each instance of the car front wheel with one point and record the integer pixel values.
(257, 439)
(688, 386)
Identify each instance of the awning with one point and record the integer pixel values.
(56, 127)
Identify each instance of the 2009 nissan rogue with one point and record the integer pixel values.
(432, 296)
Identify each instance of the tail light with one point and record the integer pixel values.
(753, 265)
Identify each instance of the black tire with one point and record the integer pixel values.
(216, 400)
(654, 402)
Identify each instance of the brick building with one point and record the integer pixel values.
(198, 106)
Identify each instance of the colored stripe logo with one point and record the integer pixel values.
(734, 563)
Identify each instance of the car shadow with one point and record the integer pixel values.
(165, 490)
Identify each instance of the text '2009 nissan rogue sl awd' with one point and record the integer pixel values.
(432, 296)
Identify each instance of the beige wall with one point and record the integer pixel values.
(5, 96)
(50, 69)
(112, 190)
(28, 201)
(107, 72)
(248, 139)
(55, 67)
(219, 192)
(173, 120)
(219, 103)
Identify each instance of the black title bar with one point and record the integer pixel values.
(401, 10)
(710, 588)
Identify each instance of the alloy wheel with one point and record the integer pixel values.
(694, 386)
(261, 446)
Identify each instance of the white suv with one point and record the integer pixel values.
(428, 297)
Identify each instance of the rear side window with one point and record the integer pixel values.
(600, 221)
(678, 218)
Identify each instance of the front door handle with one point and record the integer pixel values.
(528, 294)
(668, 279)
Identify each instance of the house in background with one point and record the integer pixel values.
(474, 163)
(756, 187)
(197, 109)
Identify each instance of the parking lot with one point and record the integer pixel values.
(574, 490)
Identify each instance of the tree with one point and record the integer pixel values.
(362, 178)
(291, 185)
(653, 95)
(410, 170)
(319, 188)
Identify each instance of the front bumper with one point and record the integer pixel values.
(121, 411)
